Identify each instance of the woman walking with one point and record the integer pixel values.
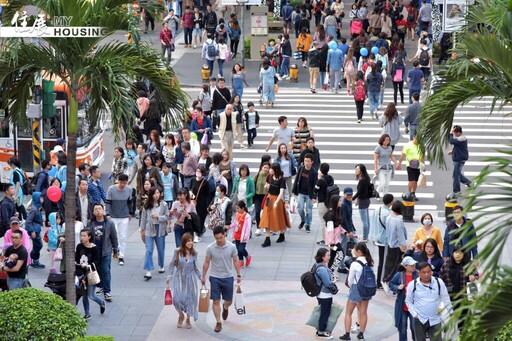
(260, 180)
(274, 217)
(288, 165)
(362, 198)
(362, 254)
(426, 231)
(153, 229)
(119, 164)
(390, 123)
(384, 161)
(302, 133)
(180, 210)
(222, 202)
(430, 254)
(349, 67)
(324, 279)
(201, 197)
(397, 75)
(183, 271)
(360, 95)
(267, 74)
(148, 171)
(375, 83)
(238, 81)
(87, 255)
(243, 187)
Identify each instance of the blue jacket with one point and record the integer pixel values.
(207, 123)
(234, 34)
(34, 218)
(53, 232)
(287, 12)
(323, 277)
(399, 278)
(374, 81)
(460, 148)
(334, 59)
(346, 213)
(43, 182)
(7, 211)
(377, 230)
(293, 162)
(449, 237)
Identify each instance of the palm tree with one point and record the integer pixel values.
(481, 66)
(106, 71)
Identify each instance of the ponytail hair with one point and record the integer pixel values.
(365, 251)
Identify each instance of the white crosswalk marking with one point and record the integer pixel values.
(343, 142)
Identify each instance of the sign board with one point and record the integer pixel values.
(240, 2)
(453, 16)
(259, 25)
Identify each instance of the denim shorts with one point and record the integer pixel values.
(197, 32)
(221, 286)
(354, 294)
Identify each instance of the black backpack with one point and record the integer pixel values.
(308, 281)
(424, 58)
(29, 187)
(331, 191)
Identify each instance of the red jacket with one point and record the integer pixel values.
(166, 36)
(188, 19)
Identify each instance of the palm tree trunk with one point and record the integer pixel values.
(70, 202)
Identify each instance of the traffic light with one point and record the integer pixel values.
(48, 99)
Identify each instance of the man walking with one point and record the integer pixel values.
(166, 39)
(105, 238)
(425, 16)
(83, 203)
(459, 155)
(283, 134)
(189, 166)
(43, 179)
(378, 232)
(412, 116)
(220, 99)
(415, 79)
(453, 232)
(7, 209)
(223, 257)
(95, 189)
(303, 188)
(424, 295)
(119, 208)
(33, 227)
(314, 66)
(323, 183)
(16, 275)
(227, 128)
(334, 64)
(311, 149)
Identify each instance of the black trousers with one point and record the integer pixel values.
(360, 109)
(393, 258)
(398, 86)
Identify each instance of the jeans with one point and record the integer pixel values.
(285, 66)
(381, 97)
(373, 99)
(384, 180)
(322, 78)
(233, 43)
(335, 79)
(365, 219)
(92, 295)
(220, 62)
(411, 91)
(187, 181)
(306, 215)
(15, 283)
(412, 131)
(402, 333)
(398, 86)
(210, 64)
(458, 177)
(122, 233)
(104, 272)
(37, 245)
(251, 135)
(325, 311)
(160, 246)
(178, 233)
(169, 52)
(421, 329)
(242, 252)
(322, 210)
(187, 32)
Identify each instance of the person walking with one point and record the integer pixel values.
(425, 295)
(17, 275)
(267, 78)
(182, 280)
(181, 210)
(283, 134)
(406, 274)
(303, 45)
(323, 183)
(453, 232)
(375, 82)
(288, 165)
(384, 161)
(17, 179)
(241, 227)
(362, 198)
(87, 258)
(33, 226)
(303, 188)
(95, 188)
(397, 75)
(359, 95)
(363, 256)
(197, 32)
(334, 64)
(324, 279)
(414, 159)
(234, 33)
(252, 122)
(415, 79)
(260, 181)
(412, 116)
(223, 258)
(390, 123)
(429, 254)
(378, 232)
(166, 39)
(238, 80)
(460, 155)
(8, 208)
(209, 52)
(426, 231)
(286, 53)
(187, 21)
(314, 66)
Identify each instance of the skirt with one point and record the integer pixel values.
(274, 219)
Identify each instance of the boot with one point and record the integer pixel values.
(266, 242)
(281, 238)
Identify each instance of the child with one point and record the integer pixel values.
(11, 261)
(252, 121)
(347, 223)
(170, 184)
(131, 155)
(242, 231)
(54, 231)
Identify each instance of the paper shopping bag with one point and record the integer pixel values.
(422, 181)
(168, 297)
(204, 300)
(239, 301)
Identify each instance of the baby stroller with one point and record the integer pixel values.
(57, 284)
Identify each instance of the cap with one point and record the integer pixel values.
(14, 220)
(408, 261)
(348, 190)
(60, 141)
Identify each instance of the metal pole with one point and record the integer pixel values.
(242, 35)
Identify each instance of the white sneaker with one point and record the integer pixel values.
(385, 286)
(147, 275)
(355, 328)
(196, 239)
(195, 46)
(258, 232)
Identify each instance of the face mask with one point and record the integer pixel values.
(217, 194)
(427, 222)
(457, 216)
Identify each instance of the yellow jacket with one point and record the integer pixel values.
(304, 42)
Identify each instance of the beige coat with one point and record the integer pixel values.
(223, 121)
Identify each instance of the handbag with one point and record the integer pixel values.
(92, 275)
(168, 296)
(239, 301)
(422, 181)
(58, 254)
(204, 300)
(173, 47)
(293, 205)
(336, 311)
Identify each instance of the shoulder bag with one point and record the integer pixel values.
(92, 275)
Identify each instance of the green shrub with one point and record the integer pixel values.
(506, 333)
(96, 338)
(34, 314)
(247, 48)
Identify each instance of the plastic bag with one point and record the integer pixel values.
(239, 301)
(168, 297)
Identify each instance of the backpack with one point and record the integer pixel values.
(28, 187)
(330, 192)
(308, 282)
(25, 183)
(318, 7)
(211, 20)
(360, 92)
(193, 225)
(211, 50)
(215, 217)
(297, 19)
(438, 286)
(398, 77)
(424, 57)
(366, 285)
(372, 193)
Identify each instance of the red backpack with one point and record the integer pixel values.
(360, 91)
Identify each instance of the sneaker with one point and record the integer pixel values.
(385, 286)
(241, 264)
(196, 239)
(37, 265)
(324, 335)
(308, 229)
(218, 327)
(321, 242)
(102, 308)
(346, 336)
(225, 313)
(301, 225)
(147, 275)
(258, 232)
(121, 261)
(107, 297)
(99, 290)
(87, 317)
(358, 121)
(355, 328)
(248, 260)
(414, 197)
(161, 270)
(360, 336)
(195, 46)
(343, 271)
(364, 240)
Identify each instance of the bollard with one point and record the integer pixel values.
(408, 211)
(294, 73)
(451, 202)
(205, 73)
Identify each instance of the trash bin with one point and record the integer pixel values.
(408, 211)
(451, 202)
(205, 73)
(294, 73)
